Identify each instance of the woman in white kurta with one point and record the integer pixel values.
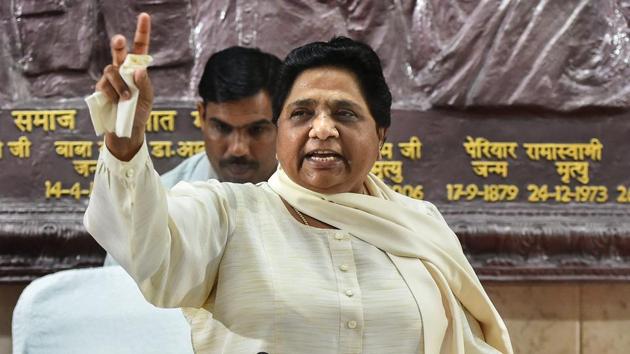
(324, 258)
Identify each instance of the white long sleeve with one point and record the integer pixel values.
(173, 259)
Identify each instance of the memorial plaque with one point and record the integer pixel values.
(527, 195)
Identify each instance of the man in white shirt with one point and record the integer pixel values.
(235, 113)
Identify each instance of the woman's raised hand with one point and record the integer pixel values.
(112, 85)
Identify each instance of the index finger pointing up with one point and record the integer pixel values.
(143, 34)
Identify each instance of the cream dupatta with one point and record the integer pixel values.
(426, 253)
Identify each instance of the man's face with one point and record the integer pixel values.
(240, 138)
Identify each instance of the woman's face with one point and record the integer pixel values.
(327, 138)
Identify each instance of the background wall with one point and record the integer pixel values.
(565, 318)
(489, 64)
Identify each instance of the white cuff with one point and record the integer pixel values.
(127, 170)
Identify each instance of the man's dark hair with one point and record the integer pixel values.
(238, 72)
(344, 53)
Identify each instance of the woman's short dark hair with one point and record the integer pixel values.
(344, 53)
(238, 72)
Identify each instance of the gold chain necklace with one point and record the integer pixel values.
(304, 219)
(301, 216)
